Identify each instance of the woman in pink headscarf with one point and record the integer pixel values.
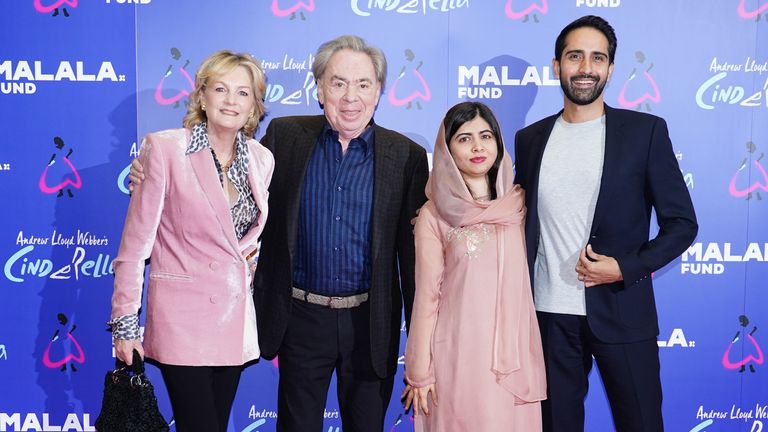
(473, 358)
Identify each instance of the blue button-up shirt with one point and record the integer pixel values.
(333, 243)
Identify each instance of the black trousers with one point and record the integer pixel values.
(201, 396)
(318, 341)
(630, 374)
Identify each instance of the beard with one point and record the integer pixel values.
(582, 96)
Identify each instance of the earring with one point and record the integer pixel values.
(202, 106)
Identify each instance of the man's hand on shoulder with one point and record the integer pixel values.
(136, 176)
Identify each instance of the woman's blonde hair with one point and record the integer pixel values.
(220, 63)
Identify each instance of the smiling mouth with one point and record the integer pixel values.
(479, 159)
(584, 81)
(229, 112)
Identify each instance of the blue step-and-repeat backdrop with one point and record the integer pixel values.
(82, 81)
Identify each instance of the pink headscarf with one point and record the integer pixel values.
(517, 358)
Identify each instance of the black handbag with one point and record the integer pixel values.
(129, 403)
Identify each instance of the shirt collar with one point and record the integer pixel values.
(199, 141)
(365, 139)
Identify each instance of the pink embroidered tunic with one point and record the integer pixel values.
(473, 329)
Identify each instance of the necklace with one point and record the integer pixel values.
(482, 197)
(224, 166)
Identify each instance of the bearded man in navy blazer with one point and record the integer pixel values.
(592, 175)
(337, 257)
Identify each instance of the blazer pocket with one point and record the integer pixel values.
(170, 276)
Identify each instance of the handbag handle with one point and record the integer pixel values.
(137, 367)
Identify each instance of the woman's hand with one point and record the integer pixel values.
(136, 176)
(124, 350)
(420, 399)
(406, 398)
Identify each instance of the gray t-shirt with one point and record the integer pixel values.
(569, 183)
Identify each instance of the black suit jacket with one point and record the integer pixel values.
(640, 171)
(400, 175)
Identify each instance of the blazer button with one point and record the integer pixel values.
(214, 299)
(214, 265)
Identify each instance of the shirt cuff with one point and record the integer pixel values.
(125, 327)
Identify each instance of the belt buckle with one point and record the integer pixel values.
(335, 302)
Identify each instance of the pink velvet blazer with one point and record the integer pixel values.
(199, 307)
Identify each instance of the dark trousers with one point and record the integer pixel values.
(318, 341)
(630, 374)
(201, 396)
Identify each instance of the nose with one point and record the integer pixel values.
(586, 65)
(351, 93)
(477, 147)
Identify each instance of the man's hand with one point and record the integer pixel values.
(595, 269)
(136, 176)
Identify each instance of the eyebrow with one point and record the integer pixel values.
(583, 52)
(336, 77)
(248, 86)
(470, 133)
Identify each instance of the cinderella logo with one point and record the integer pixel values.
(71, 178)
(654, 95)
(741, 9)
(748, 360)
(761, 183)
(524, 13)
(68, 344)
(291, 11)
(186, 78)
(423, 93)
(54, 6)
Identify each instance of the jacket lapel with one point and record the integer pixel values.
(613, 146)
(384, 167)
(208, 178)
(296, 157)
(537, 154)
(260, 195)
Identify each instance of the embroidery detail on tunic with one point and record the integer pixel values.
(475, 236)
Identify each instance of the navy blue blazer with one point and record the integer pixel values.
(640, 172)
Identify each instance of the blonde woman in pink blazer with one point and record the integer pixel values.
(197, 215)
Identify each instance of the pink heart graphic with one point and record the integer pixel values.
(162, 100)
(77, 183)
(45, 9)
(742, 10)
(80, 357)
(427, 95)
(655, 97)
(276, 11)
(726, 362)
(532, 7)
(740, 193)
